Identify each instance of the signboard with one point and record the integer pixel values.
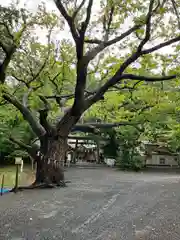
(18, 161)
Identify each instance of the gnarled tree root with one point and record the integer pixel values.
(36, 185)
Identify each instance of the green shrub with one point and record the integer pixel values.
(129, 161)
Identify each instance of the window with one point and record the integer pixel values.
(162, 161)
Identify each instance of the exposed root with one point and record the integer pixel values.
(62, 184)
(36, 185)
(67, 181)
(33, 186)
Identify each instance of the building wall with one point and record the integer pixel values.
(155, 160)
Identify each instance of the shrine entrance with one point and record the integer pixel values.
(84, 149)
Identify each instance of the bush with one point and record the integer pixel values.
(127, 161)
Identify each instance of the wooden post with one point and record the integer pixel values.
(18, 161)
(22, 165)
(32, 163)
(2, 185)
(75, 152)
(17, 177)
(98, 151)
(68, 159)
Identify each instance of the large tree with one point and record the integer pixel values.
(146, 32)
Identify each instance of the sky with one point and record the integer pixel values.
(32, 5)
(29, 3)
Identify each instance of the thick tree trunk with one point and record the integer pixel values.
(53, 152)
(50, 164)
(54, 161)
(40, 175)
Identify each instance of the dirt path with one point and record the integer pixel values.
(99, 204)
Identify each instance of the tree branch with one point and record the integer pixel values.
(9, 51)
(80, 86)
(92, 53)
(148, 27)
(53, 80)
(68, 18)
(94, 41)
(78, 9)
(143, 109)
(115, 79)
(161, 45)
(86, 22)
(27, 114)
(4, 65)
(123, 105)
(20, 144)
(61, 99)
(4, 47)
(131, 89)
(94, 127)
(146, 78)
(4, 24)
(25, 97)
(139, 52)
(82, 128)
(82, 70)
(127, 87)
(43, 114)
(46, 103)
(107, 28)
(78, 104)
(37, 74)
(30, 149)
(176, 12)
(20, 80)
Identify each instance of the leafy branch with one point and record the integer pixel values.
(27, 114)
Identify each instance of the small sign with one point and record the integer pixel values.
(18, 161)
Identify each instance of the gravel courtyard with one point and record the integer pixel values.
(99, 204)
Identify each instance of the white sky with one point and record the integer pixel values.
(29, 3)
(32, 5)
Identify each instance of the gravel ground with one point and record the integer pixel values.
(99, 204)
